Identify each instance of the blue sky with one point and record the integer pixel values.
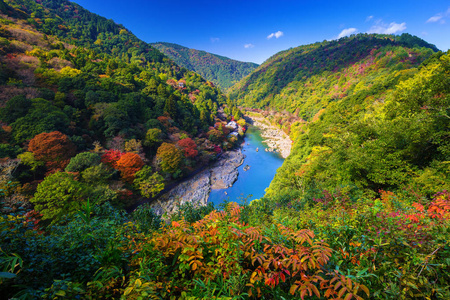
(249, 30)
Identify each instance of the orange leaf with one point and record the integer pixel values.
(302, 294)
(341, 292)
(315, 290)
(293, 288)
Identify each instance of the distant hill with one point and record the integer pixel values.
(306, 78)
(222, 71)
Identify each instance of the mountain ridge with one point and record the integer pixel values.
(221, 70)
(302, 62)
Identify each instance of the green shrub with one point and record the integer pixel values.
(82, 161)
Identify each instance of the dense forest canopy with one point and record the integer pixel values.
(78, 77)
(79, 90)
(287, 79)
(222, 71)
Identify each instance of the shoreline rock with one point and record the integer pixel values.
(221, 175)
(275, 138)
(225, 171)
(195, 190)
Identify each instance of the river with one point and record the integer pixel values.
(263, 166)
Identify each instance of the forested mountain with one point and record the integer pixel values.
(90, 117)
(306, 78)
(222, 71)
(370, 119)
(353, 97)
(73, 78)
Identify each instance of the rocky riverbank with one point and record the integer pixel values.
(275, 138)
(222, 174)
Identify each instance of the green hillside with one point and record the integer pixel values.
(83, 102)
(350, 95)
(222, 71)
(306, 78)
(75, 25)
(391, 133)
(369, 169)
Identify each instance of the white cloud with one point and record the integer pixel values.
(247, 46)
(369, 18)
(394, 28)
(276, 35)
(440, 17)
(383, 28)
(214, 39)
(435, 18)
(347, 32)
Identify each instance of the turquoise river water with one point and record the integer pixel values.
(263, 166)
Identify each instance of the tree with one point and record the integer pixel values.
(241, 122)
(28, 159)
(98, 174)
(153, 137)
(128, 165)
(82, 161)
(58, 195)
(148, 184)
(54, 148)
(134, 146)
(170, 157)
(214, 136)
(41, 117)
(189, 147)
(111, 157)
(152, 87)
(15, 108)
(171, 107)
(161, 90)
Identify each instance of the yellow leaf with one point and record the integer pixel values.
(60, 293)
(341, 292)
(293, 289)
(127, 291)
(365, 289)
(348, 297)
(349, 283)
(137, 283)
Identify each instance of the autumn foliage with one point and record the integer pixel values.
(220, 246)
(54, 148)
(111, 157)
(189, 147)
(128, 165)
(170, 157)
